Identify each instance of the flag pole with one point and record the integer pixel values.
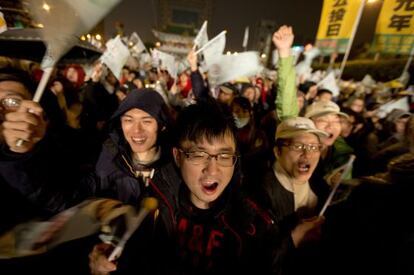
(210, 42)
(410, 58)
(351, 40)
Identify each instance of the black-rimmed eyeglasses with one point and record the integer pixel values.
(201, 157)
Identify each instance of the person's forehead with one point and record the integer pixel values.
(327, 116)
(137, 112)
(308, 137)
(216, 143)
(13, 88)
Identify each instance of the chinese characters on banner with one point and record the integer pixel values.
(335, 26)
(395, 27)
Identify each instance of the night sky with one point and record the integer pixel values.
(235, 15)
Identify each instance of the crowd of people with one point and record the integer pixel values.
(240, 171)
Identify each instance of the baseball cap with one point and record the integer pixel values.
(320, 108)
(294, 126)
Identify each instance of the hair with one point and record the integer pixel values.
(243, 102)
(207, 119)
(246, 86)
(17, 75)
(359, 118)
(323, 91)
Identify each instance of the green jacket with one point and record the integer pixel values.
(286, 101)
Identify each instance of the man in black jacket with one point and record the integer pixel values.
(213, 228)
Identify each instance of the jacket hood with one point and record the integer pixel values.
(146, 100)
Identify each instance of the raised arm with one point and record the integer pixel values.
(286, 102)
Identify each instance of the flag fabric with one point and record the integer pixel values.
(245, 38)
(213, 49)
(394, 31)
(304, 67)
(66, 20)
(230, 67)
(3, 24)
(329, 83)
(115, 56)
(336, 24)
(79, 221)
(201, 38)
(385, 109)
(136, 45)
(165, 61)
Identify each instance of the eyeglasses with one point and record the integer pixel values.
(200, 157)
(10, 103)
(300, 147)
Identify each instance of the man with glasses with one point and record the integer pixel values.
(286, 190)
(214, 228)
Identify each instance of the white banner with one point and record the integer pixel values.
(304, 67)
(136, 45)
(213, 49)
(385, 109)
(115, 56)
(66, 20)
(165, 61)
(329, 83)
(202, 38)
(230, 67)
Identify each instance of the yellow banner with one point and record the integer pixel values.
(396, 17)
(394, 32)
(3, 25)
(337, 19)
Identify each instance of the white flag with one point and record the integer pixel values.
(165, 61)
(136, 44)
(214, 48)
(329, 83)
(202, 38)
(3, 24)
(368, 81)
(115, 56)
(304, 67)
(245, 38)
(230, 67)
(66, 20)
(385, 109)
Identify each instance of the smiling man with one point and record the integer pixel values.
(214, 227)
(327, 117)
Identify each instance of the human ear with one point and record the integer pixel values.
(177, 156)
(276, 152)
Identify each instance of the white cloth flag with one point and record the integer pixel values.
(368, 81)
(329, 83)
(137, 46)
(304, 67)
(202, 38)
(3, 24)
(245, 38)
(165, 61)
(115, 56)
(230, 67)
(385, 109)
(66, 20)
(214, 49)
